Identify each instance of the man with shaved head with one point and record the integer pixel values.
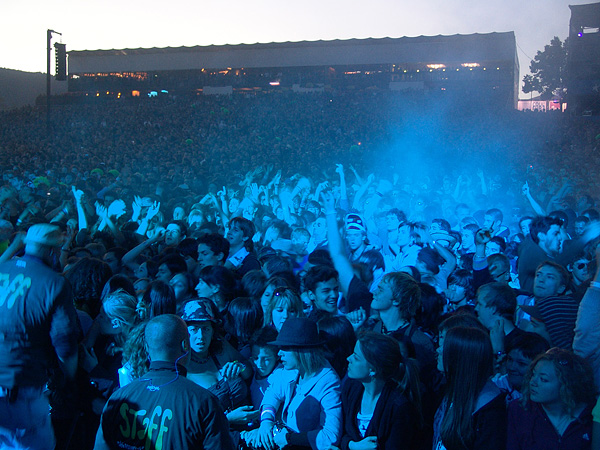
(163, 410)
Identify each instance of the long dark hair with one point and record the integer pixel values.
(468, 365)
(247, 318)
(383, 353)
(340, 339)
(221, 277)
(159, 298)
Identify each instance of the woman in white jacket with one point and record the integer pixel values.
(306, 396)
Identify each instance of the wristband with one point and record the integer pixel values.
(267, 413)
(595, 284)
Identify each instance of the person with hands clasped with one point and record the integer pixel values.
(307, 394)
(215, 364)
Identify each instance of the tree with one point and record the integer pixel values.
(548, 71)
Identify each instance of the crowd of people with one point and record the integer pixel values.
(357, 270)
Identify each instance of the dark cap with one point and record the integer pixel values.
(298, 332)
(197, 311)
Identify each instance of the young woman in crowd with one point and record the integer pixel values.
(556, 408)
(100, 356)
(218, 284)
(307, 397)
(472, 415)
(272, 284)
(380, 400)
(284, 303)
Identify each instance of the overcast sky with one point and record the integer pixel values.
(106, 24)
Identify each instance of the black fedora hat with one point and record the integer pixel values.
(298, 332)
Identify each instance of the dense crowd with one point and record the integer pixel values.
(352, 270)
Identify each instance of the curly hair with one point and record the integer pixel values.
(135, 354)
(88, 277)
(574, 374)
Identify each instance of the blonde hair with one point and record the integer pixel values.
(121, 307)
(287, 298)
(311, 360)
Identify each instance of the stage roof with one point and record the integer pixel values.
(480, 48)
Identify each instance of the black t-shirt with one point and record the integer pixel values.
(358, 296)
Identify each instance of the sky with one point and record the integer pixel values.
(108, 24)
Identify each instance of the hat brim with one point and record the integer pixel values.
(533, 311)
(283, 343)
(195, 319)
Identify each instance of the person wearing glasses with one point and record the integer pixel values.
(556, 408)
(547, 242)
(579, 276)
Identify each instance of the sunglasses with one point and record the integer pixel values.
(581, 265)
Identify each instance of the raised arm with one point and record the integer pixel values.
(448, 256)
(361, 192)
(344, 204)
(14, 247)
(129, 259)
(145, 222)
(336, 245)
(534, 204)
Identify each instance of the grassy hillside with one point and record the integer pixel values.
(19, 88)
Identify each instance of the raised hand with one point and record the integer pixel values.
(483, 236)
(153, 210)
(77, 194)
(328, 202)
(136, 207)
(101, 210)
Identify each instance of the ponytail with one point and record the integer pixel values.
(383, 353)
(408, 382)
